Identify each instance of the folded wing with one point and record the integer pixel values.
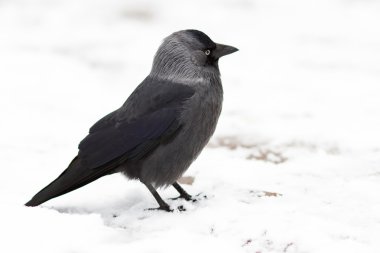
(155, 109)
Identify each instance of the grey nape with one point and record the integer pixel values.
(161, 128)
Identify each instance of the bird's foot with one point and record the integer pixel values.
(200, 196)
(163, 208)
(180, 208)
(190, 198)
(186, 197)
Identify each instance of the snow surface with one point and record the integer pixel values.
(294, 165)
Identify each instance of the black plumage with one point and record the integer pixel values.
(161, 128)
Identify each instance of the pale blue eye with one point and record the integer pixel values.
(207, 52)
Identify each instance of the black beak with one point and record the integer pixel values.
(222, 50)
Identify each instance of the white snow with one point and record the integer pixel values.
(294, 165)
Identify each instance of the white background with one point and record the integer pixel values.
(301, 118)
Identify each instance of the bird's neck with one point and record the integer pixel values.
(183, 75)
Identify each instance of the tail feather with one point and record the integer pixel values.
(74, 177)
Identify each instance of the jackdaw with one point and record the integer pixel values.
(161, 128)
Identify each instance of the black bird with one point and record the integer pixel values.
(161, 128)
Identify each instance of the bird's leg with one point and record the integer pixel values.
(163, 205)
(182, 192)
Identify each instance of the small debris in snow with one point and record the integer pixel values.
(189, 180)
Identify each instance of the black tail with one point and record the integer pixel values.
(74, 177)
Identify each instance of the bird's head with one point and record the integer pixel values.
(189, 54)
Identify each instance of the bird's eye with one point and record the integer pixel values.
(207, 52)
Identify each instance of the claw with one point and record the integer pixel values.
(185, 197)
(200, 196)
(188, 197)
(162, 208)
(180, 208)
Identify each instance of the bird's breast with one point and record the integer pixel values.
(198, 120)
(201, 115)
